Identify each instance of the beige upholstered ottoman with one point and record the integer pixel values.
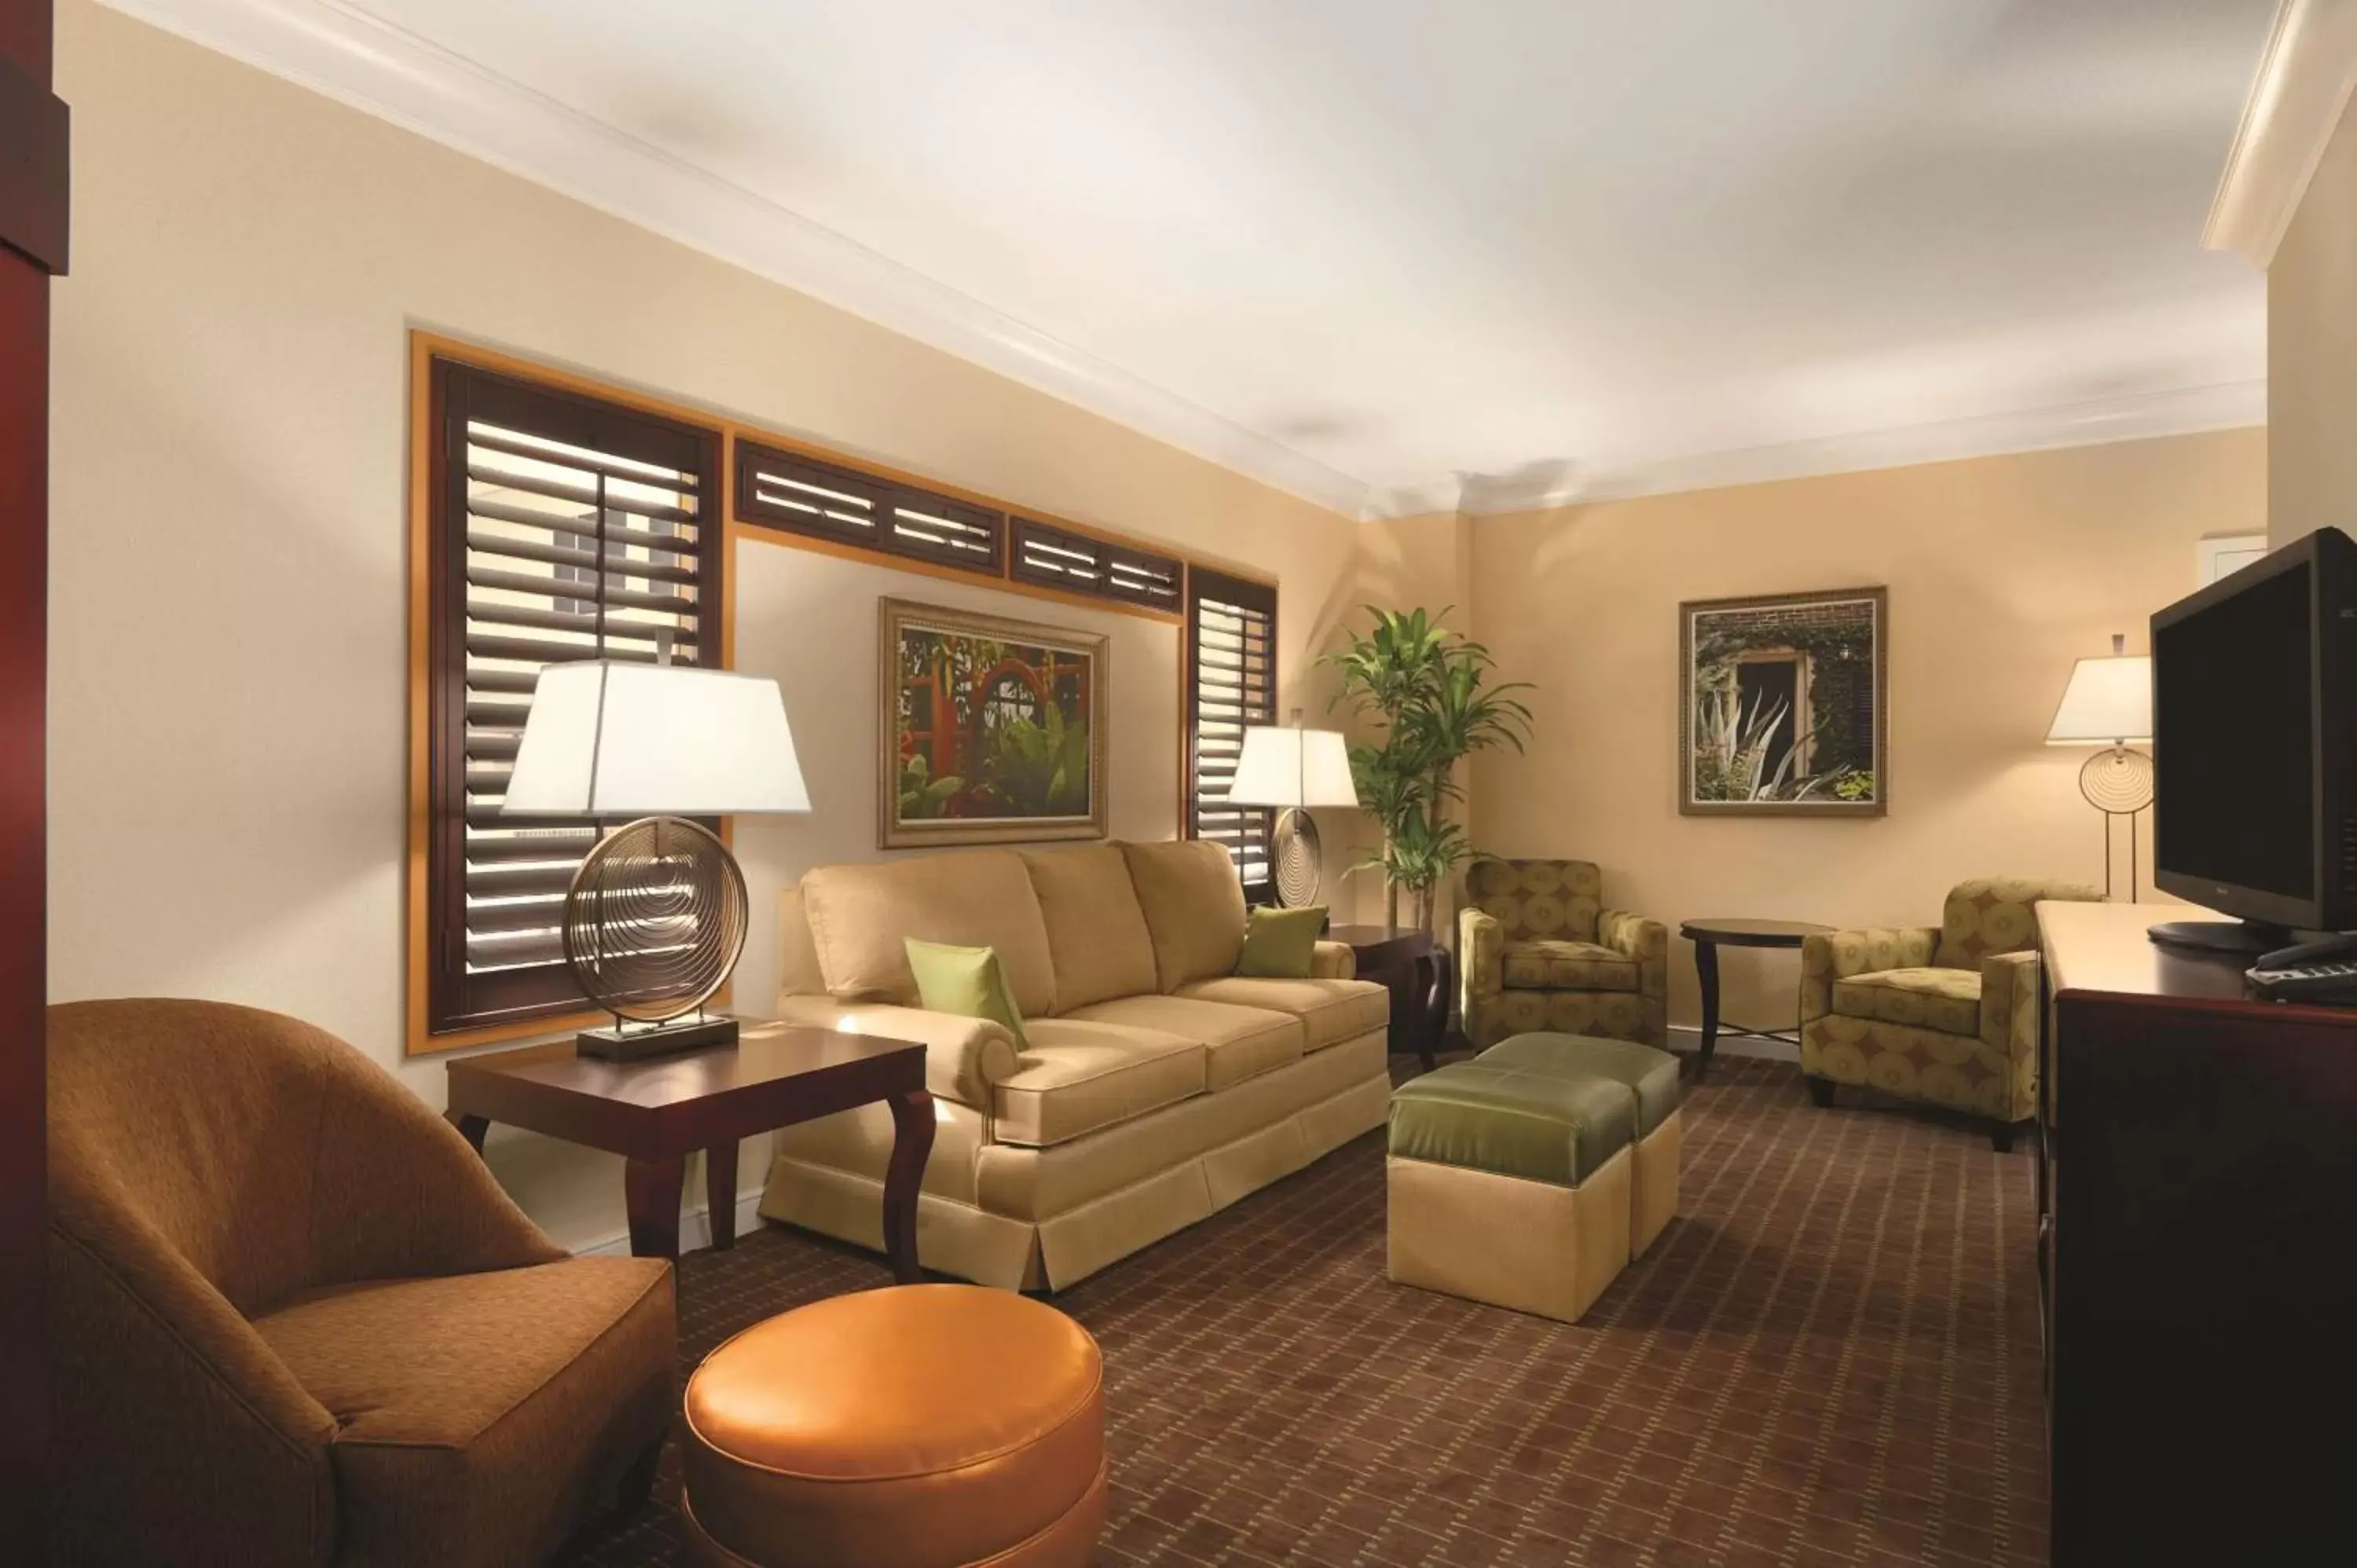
(922, 1426)
(1511, 1185)
(1652, 1076)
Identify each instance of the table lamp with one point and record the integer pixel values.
(655, 918)
(2109, 703)
(1292, 767)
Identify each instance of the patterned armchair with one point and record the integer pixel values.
(1947, 1014)
(1537, 950)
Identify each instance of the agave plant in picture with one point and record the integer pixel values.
(1783, 705)
(1430, 696)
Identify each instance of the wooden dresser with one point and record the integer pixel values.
(2197, 1256)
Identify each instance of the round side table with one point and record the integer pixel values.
(1708, 937)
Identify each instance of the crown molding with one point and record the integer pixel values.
(343, 52)
(2134, 418)
(2306, 75)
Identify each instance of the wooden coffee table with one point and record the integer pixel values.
(1707, 937)
(655, 1112)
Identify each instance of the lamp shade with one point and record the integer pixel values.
(1285, 765)
(2108, 702)
(610, 739)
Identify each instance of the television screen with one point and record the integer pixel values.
(2236, 786)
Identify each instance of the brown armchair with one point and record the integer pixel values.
(295, 1321)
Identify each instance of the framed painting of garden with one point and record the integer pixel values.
(993, 731)
(1783, 705)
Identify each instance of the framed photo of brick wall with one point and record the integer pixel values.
(1783, 705)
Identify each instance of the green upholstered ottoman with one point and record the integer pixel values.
(1653, 1077)
(1511, 1185)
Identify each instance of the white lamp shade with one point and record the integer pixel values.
(608, 739)
(1285, 765)
(2108, 702)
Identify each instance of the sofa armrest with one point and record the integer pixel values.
(1647, 942)
(1333, 960)
(2009, 1004)
(1864, 949)
(964, 1056)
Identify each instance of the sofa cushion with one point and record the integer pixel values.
(798, 974)
(1096, 931)
(860, 917)
(1237, 1041)
(965, 983)
(1281, 944)
(1080, 1075)
(1948, 1000)
(1329, 1010)
(1567, 966)
(1194, 907)
(481, 1416)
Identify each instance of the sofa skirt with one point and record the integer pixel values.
(1205, 1160)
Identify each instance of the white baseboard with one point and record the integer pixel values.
(695, 1228)
(1688, 1037)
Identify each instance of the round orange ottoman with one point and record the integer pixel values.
(923, 1426)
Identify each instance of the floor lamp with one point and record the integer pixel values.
(1293, 769)
(2108, 702)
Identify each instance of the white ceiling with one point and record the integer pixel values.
(1380, 250)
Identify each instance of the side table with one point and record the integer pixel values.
(1418, 970)
(656, 1111)
(1707, 937)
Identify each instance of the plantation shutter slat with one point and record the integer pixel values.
(564, 528)
(1057, 558)
(780, 490)
(1231, 681)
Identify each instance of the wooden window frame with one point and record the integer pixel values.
(1250, 594)
(437, 675)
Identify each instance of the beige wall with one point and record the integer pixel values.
(2001, 571)
(2312, 353)
(227, 646)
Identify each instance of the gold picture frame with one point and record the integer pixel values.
(1773, 692)
(988, 730)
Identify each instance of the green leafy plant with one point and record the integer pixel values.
(1431, 693)
(1040, 768)
(921, 796)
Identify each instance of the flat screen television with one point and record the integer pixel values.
(2255, 747)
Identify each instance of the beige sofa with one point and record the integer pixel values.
(1158, 1087)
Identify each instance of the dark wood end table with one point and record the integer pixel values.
(655, 1112)
(1708, 937)
(1417, 971)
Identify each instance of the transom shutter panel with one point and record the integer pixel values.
(564, 528)
(1231, 681)
(1058, 558)
(780, 490)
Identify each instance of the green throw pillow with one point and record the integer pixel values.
(968, 981)
(1280, 943)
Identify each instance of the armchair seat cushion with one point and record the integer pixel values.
(457, 1398)
(1556, 965)
(1947, 1000)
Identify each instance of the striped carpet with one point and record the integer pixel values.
(1832, 1357)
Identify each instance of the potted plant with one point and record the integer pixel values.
(1430, 692)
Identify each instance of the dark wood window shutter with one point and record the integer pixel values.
(1055, 557)
(562, 528)
(800, 495)
(1231, 683)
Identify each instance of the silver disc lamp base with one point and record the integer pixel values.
(1297, 853)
